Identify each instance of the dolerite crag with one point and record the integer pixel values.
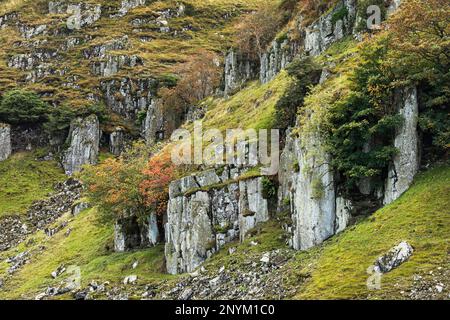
(238, 70)
(406, 163)
(84, 138)
(208, 210)
(307, 185)
(331, 27)
(5, 141)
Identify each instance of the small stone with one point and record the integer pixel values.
(214, 282)
(135, 264)
(40, 296)
(265, 258)
(232, 250)
(439, 288)
(253, 243)
(186, 294)
(130, 279)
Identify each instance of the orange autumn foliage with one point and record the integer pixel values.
(158, 173)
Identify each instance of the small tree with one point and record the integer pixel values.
(257, 30)
(113, 185)
(421, 55)
(198, 77)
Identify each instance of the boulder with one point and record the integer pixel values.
(394, 258)
(5, 141)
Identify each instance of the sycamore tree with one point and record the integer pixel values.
(133, 184)
(420, 54)
(158, 173)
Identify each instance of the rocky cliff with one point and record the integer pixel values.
(405, 164)
(208, 210)
(84, 138)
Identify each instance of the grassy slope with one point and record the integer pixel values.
(87, 247)
(212, 31)
(24, 180)
(336, 270)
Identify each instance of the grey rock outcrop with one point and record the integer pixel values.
(5, 141)
(127, 96)
(8, 19)
(113, 63)
(79, 207)
(277, 57)
(84, 140)
(101, 50)
(81, 14)
(405, 164)
(331, 27)
(127, 5)
(238, 70)
(307, 184)
(30, 31)
(153, 125)
(203, 216)
(29, 61)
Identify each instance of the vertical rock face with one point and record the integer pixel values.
(313, 201)
(153, 125)
(307, 183)
(406, 163)
(84, 144)
(331, 27)
(128, 97)
(117, 141)
(199, 223)
(237, 71)
(5, 141)
(277, 57)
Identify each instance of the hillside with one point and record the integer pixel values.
(224, 149)
(335, 270)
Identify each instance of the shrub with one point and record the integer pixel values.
(269, 190)
(23, 107)
(305, 73)
(197, 79)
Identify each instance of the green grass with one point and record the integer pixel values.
(252, 107)
(24, 180)
(421, 217)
